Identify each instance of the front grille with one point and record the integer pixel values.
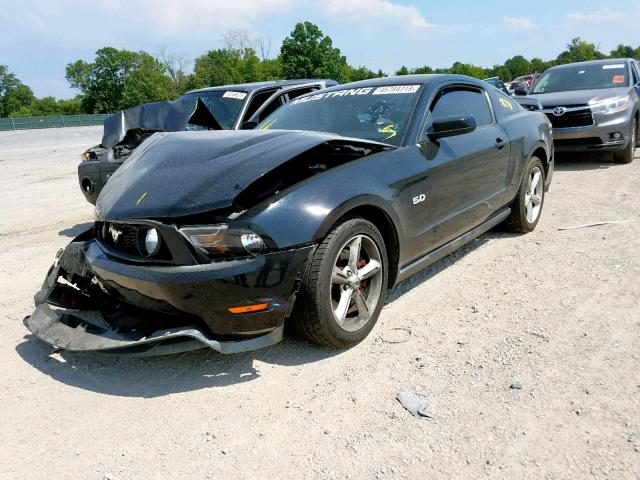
(124, 237)
(568, 105)
(574, 118)
(577, 142)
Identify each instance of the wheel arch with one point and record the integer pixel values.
(541, 153)
(380, 217)
(541, 150)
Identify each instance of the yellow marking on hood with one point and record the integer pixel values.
(141, 198)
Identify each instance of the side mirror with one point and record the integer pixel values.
(451, 126)
(248, 125)
(521, 90)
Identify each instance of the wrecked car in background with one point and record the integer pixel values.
(215, 238)
(227, 107)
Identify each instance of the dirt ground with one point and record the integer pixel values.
(557, 311)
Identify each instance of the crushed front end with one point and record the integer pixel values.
(105, 292)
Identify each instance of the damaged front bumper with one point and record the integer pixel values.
(93, 302)
(76, 331)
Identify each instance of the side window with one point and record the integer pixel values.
(279, 100)
(257, 101)
(271, 107)
(462, 102)
(300, 91)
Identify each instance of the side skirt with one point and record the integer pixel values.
(446, 249)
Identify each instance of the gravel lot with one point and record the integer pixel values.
(556, 311)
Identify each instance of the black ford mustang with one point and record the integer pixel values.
(215, 238)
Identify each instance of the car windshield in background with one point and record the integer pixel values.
(373, 113)
(224, 105)
(583, 77)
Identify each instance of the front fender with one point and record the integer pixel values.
(307, 213)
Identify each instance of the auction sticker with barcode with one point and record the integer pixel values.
(396, 89)
(232, 94)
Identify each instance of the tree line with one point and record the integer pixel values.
(118, 79)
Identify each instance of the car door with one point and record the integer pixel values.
(466, 180)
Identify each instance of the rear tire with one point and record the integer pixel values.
(626, 155)
(344, 287)
(526, 208)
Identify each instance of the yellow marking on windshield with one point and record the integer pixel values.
(141, 198)
(390, 130)
(267, 125)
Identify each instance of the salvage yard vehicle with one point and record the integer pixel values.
(593, 106)
(499, 84)
(228, 107)
(215, 238)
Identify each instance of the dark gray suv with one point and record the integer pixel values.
(593, 105)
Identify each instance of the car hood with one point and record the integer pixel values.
(185, 173)
(578, 97)
(169, 116)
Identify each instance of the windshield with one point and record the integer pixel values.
(373, 113)
(224, 105)
(582, 77)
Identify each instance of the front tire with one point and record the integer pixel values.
(527, 206)
(626, 155)
(344, 287)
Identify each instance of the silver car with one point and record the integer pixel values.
(592, 105)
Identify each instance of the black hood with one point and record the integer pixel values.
(170, 116)
(185, 173)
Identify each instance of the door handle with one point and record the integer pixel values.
(500, 144)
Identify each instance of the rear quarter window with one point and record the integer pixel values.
(503, 105)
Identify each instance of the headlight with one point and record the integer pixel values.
(222, 240)
(151, 242)
(612, 105)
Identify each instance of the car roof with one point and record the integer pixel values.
(421, 79)
(607, 61)
(250, 87)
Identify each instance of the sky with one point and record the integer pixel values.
(38, 38)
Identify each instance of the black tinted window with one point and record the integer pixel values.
(257, 101)
(301, 91)
(462, 102)
(270, 108)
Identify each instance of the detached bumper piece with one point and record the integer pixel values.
(91, 301)
(72, 330)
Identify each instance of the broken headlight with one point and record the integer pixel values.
(220, 240)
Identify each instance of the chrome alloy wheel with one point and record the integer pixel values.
(533, 195)
(356, 282)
